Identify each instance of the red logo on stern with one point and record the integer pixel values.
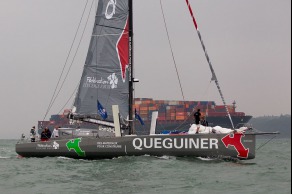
(235, 141)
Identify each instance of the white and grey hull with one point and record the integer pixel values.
(196, 145)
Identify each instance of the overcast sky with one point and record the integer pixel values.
(249, 43)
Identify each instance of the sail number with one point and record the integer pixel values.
(109, 13)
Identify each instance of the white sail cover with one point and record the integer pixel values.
(216, 129)
(105, 77)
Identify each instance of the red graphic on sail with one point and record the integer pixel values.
(235, 141)
(123, 50)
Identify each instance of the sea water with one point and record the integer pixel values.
(270, 172)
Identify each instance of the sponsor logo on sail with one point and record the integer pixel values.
(110, 9)
(113, 80)
(175, 143)
(110, 83)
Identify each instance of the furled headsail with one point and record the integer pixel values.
(105, 78)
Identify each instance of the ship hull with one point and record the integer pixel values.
(197, 145)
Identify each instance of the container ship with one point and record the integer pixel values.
(173, 115)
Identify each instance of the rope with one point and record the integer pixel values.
(173, 58)
(52, 99)
(192, 113)
(72, 60)
(207, 92)
(69, 99)
(266, 142)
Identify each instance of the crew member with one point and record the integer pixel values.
(32, 134)
(197, 116)
(204, 122)
(46, 134)
(55, 133)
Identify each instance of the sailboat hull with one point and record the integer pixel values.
(197, 145)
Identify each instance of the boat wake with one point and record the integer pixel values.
(165, 157)
(64, 158)
(3, 157)
(206, 159)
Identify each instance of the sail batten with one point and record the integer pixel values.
(111, 27)
(105, 76)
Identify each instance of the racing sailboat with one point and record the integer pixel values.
(105, 97)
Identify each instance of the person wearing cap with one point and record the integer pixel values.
(32, 134)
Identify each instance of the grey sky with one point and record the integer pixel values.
(249, 43)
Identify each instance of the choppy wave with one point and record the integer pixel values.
(4, 157)
(269, 173)
(206, 159)
(64, 158)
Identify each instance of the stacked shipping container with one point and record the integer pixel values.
(172, 110)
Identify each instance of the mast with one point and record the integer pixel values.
(131, 76)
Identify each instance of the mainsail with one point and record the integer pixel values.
(105, 77)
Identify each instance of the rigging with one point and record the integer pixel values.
(172, 53)
(54, 96)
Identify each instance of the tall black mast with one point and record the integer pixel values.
(131, 59)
